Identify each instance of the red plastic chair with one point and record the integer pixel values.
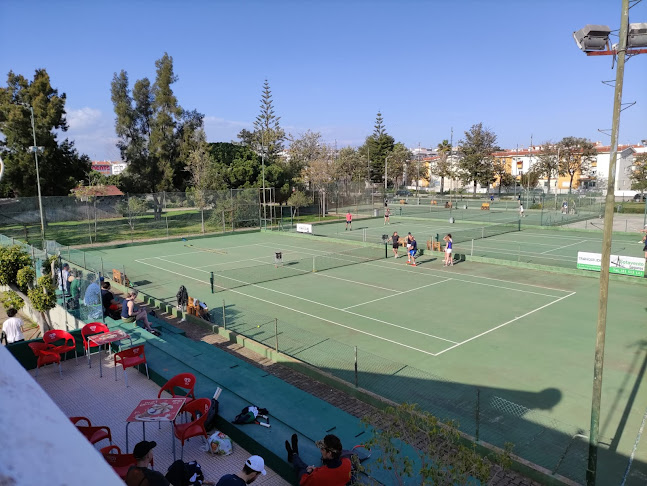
(130, 357)
(45, 356)
(195, 427)
(65, 340)
(93, 433)
(185, 381)
(89, 330)
(119, 462)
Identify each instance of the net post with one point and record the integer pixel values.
(519, 229)
(314, 267)
(519, 254)
(276, 334)
(483, 232)
(355, 366)
(478, 412)
(386, 250)
(211, 280)
(224, 317)
(472, 249)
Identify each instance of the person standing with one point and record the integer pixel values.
(13, 327)
(413, 248)
(349, 221)
(407, 241)
(395, 242)
(644, 240)
(92, 298)
(449, 260)
(521, 215)
(387, 214)
(253, 468)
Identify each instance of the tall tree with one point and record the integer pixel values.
(397, 162)
(152, 128)
(547, 165)
(476, 155)
(60, 165)
(376, 147)
(442, 166)
(638, 173)
(575, 156)
(500, 169)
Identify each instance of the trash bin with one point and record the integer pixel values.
(464, 206)
(452, 220)
(376, 213)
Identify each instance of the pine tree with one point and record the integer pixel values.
(376, 148)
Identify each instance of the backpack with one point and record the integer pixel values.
(212, 414)
(249, 416)
(185, 473)
(182, 296)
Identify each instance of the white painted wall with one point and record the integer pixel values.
(38, 443)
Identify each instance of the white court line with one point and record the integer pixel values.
(398, 293)
(565, 246)
(504, 324)
(192, 252)
(296, 310)
(455, 276)
(319, 303)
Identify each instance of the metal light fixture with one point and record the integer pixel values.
(637, 35)
(592, 37)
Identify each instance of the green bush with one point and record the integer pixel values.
(43, 296)
(11, 300)
(12, 259)
(25, 278)
(535, 206)
(631, 208)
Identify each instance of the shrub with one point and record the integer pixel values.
(25, 278)
(12, 259)
(43, 296)
(11, 300)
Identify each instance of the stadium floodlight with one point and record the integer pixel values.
(637, 35)
(592, 37)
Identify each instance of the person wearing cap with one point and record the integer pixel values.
(140, 474)
(253, 468)
(336, 470)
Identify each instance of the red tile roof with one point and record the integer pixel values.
(98, 191)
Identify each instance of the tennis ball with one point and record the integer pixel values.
(258, 326)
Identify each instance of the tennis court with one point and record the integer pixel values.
(519, 339)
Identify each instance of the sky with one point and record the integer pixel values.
(429, 67)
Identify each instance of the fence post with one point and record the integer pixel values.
(276, 334)
(103, 272)
(478, 412)
(223, 221)
(68, 253)
(224, 317)
(166, 217)
(355, 366)
(84, 264)
(472, 249)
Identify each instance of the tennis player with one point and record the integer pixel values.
(349, 221)
(413, 248)
(395, 242)
(449, 260)
(407, 240)
(387, 214)
(521, 210)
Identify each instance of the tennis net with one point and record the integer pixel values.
(259, 272)
(461, 236)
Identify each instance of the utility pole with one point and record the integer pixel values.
(451, 158)
(418, 179)
(35, 150)
(598, 366)
(528, 174)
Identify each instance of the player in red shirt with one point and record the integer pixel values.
(349, 220)
(335, 470)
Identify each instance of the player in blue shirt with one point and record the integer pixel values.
(413, 248)
(449, 261)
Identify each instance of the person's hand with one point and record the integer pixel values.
(309, 469)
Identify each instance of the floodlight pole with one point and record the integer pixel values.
(35, 149)
(598, 367)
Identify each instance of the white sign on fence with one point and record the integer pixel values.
(304, 228)
(623, 265)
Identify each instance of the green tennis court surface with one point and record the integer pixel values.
(513, 344)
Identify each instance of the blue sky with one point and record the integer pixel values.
(427, 66)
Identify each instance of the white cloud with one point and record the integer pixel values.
(221, 130)
(93, 133)
(83, 118)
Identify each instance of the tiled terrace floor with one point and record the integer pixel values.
(108, 402)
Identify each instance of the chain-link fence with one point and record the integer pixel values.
(488, 414)
(79, 220)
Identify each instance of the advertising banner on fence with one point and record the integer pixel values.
(623, 265)
(304, 228)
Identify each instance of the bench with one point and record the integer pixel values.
(120, 278)
(434, 245)
(485, 206)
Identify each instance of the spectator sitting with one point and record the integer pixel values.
(12, 327)
(130, 313)
(92, 298)
(336, 471)
(140, 474)
(111, 306)
(253, 468)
